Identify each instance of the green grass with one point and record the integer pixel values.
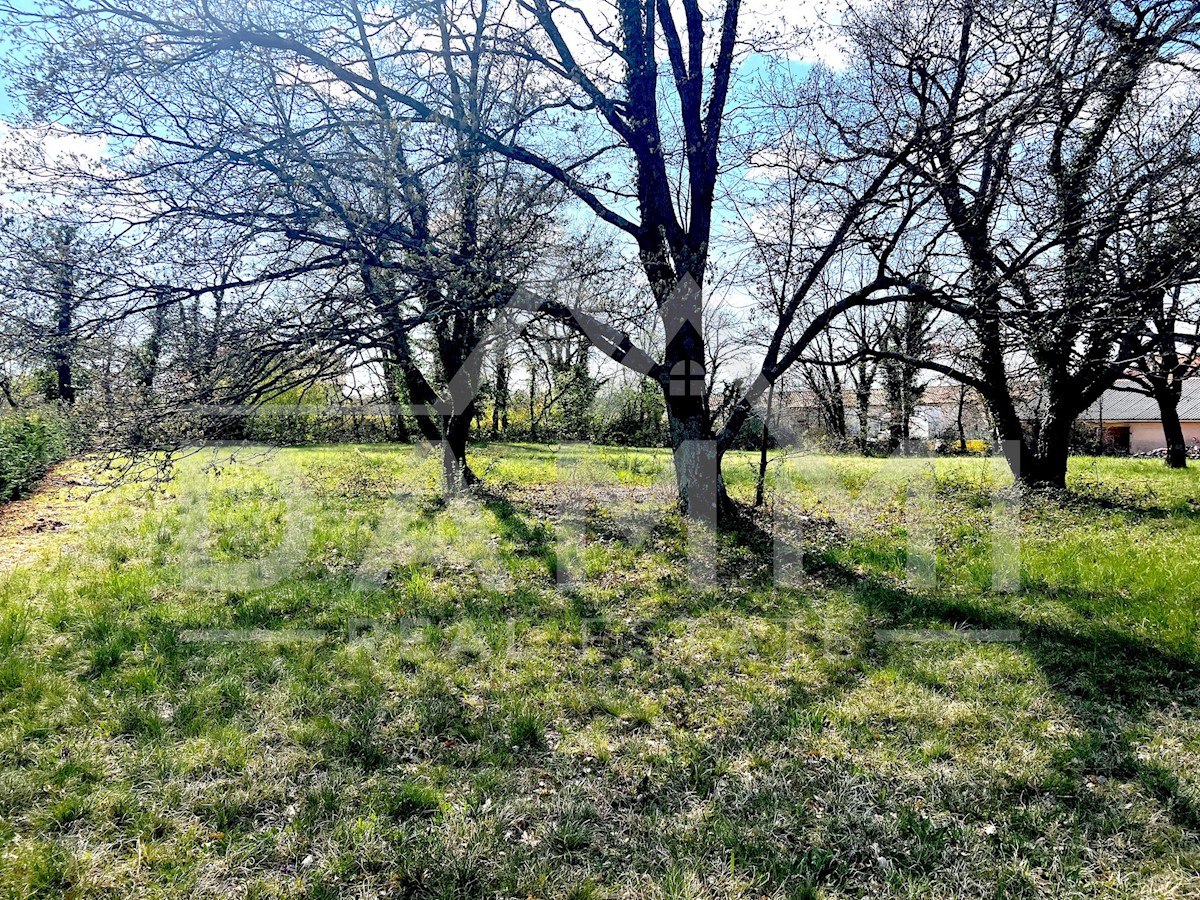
(435, 717)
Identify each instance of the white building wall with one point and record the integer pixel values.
(1147, 436)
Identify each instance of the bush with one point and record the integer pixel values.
(631, 416)
(30, 443)
(313, 414)
(749, 436)
(974, 447)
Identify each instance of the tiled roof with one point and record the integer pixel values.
(1119, 405)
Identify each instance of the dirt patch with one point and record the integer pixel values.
(28, 525)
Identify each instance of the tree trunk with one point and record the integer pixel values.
(698, 478)
(62, 348)
(760, 487)
(1047, 467)
(1039, 461)
(61, 353)
(1022, 459)
(401, 372)
(700, 487)
(147, 372)
(500, 402)
(1168, 405)
(6, 391)
(962, 431)
(838, 408)
(532, 403)
(863, 408)
(456, 429)
(1046, 470)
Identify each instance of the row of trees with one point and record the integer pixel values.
(1000, 193)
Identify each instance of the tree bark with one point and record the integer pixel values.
(962, 431)
(1048, 464)
(862, 406)
(1168, 405)
(760, 486)
(456, 429)
(701, 487)
(61, 353)
(500, 402)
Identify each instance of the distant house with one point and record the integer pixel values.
(1130, 422)
(937, 413)
(934, 416)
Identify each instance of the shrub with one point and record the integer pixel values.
(632, 416)
(30, 443)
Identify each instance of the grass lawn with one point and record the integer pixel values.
(424, 711)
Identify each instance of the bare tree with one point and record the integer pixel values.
(603, 73)
(1170, 361)
(1040, 127)
(422, 228)
(61, 277)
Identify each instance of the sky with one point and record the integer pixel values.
(9, 49)
(7, 108)
(755, 13)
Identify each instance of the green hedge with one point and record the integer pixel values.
(30, 443)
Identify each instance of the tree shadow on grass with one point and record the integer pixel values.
(1110, 682)
(1146, 507)
(532, 538)
(1107, 678)
(1093, 662)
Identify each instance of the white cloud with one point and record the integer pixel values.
(810, 29)
(46, 167)
(46, 162)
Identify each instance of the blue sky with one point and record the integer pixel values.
(6, 105)
(9, 52)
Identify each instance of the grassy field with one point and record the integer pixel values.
(305, 675)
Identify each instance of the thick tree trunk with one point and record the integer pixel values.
(424, 400)
(1038, 460)
(1046, 469)
(1026, 463)
(1168, 406)
(701, 487)
(1047, 466)
(456, 430)
(1043, 466)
